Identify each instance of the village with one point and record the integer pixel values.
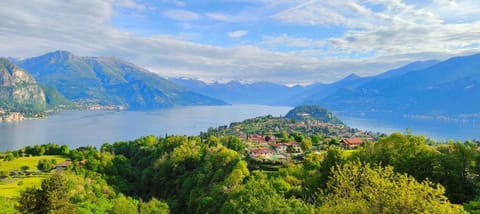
(271, 148)
(281, 139)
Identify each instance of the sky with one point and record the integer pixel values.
(282, 41)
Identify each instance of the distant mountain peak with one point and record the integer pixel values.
(109, 81)
(352, 76)
(59, 56)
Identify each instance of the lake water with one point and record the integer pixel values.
(439, 130)
(81, 128)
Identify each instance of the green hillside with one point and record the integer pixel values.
(109, 81)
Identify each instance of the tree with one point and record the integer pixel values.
(234, 143)
(361, 188)
(259, 196)
(454, 169)
(316, 139)
(6, 206)
(153, 206)
(123, 205)
(9, 157)
(406, 153)
(333, 157)
(53, 197)
(306, 144)
(46, 165)
(30, 202)
(56, 193)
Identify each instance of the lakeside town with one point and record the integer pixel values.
(280, 139)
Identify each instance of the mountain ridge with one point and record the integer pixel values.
(109, 81)
(19, 91)
(450, 87)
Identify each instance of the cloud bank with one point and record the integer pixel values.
(371, 36)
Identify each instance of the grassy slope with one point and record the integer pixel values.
(27, 161)
(10, 187)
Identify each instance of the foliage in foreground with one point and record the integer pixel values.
(361, 188)
(68, 193)
(398, 174)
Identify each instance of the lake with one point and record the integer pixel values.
(440, 130)
(81, 128)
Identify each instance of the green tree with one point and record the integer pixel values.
(259, 196)
(6, 206)
(455, 167)
(53, 197)
(154, 206)
(55, 194)
(46, 165)
(333, 157)
(316, 139)
(362, 188)
(234, 143)
(306, 144)
(30, 202)
(406, 153)
(123, 205)
(9, 157)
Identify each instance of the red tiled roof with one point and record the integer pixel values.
(353, 141)
(260, 151)
(64, 164)
(292, 143)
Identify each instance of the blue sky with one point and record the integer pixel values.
(283, 41)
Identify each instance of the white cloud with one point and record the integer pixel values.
(324, 13)
(386, 27)
(181, 15)
(237, 34)
(221, 17)
(288, 41)
(396, 32)
(129, 4)
(175, 2)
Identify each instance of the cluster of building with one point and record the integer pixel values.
(268, 147)
(11, 116)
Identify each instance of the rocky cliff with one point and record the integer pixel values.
(19, 92)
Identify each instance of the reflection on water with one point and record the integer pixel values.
(82, 128)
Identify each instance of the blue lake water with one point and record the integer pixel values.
(439, 130)
(81, 128)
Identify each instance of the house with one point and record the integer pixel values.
(294, 147)
(279, 147)
(351, 143)
(63, 165)
(260, 152)
(257, 139)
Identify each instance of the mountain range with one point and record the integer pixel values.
(235, 92)
(266, 93)
(109, 82)
(450, 87)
